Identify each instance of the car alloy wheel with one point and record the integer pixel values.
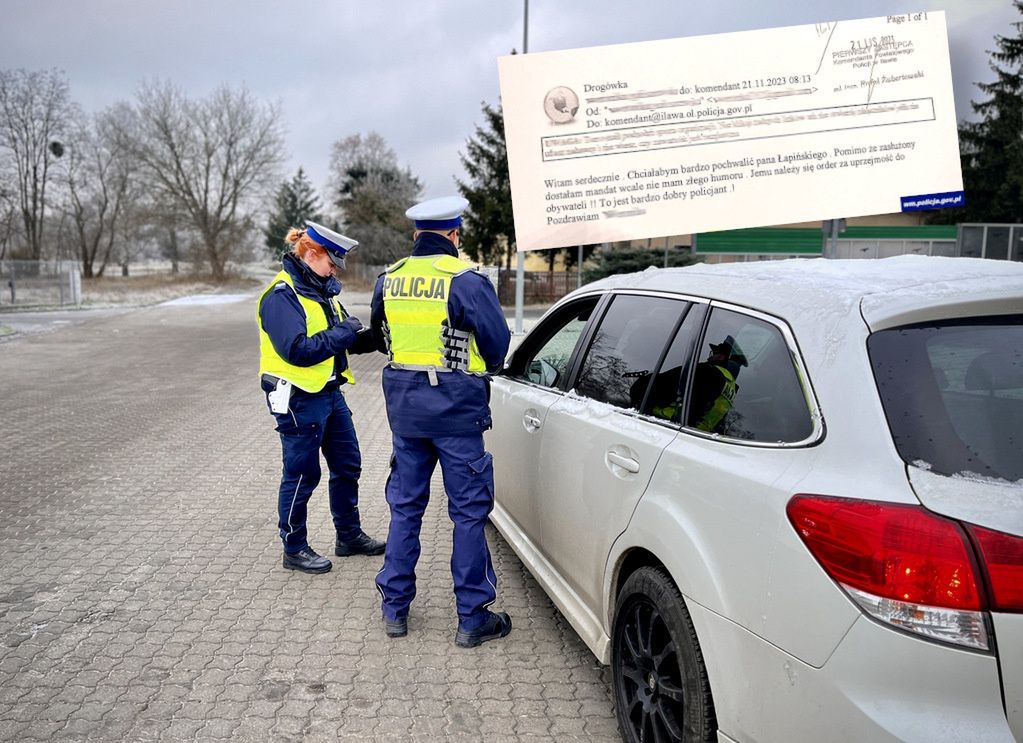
(660, 683)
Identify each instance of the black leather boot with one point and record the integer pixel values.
(361, 545)
(396, 627)
(307, 561)
(496, 626)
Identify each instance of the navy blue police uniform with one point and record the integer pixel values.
(318, 420)
(441, 417)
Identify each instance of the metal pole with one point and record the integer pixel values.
(520, 259)
(520, 279)
(579, 268)
(525, 26)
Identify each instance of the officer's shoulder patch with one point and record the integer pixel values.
(396, 265)
(280, 286)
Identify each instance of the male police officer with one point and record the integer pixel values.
(305, 337)
(443, 329)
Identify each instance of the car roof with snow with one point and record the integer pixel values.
(888, 292)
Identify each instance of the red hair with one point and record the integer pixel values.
(302, 244)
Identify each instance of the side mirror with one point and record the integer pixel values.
(541, 371)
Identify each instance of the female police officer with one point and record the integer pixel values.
(305, 336)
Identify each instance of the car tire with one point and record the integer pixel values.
(661, 691)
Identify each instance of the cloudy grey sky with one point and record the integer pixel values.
(415, 71)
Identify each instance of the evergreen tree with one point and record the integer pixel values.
(628, 260)
(992, 148)
(296, 201)
(488, 234)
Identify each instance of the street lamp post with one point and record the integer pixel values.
(520, 259)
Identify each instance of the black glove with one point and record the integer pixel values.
(344, 335)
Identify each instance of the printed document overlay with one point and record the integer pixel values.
(734, 130)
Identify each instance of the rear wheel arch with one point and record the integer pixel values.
(628, 564)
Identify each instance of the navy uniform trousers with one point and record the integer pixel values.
(316, 422)
(468, 472)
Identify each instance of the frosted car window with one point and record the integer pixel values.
(745, 385)
(626, 348)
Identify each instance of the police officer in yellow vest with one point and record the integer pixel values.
(442, 327)
(305, 336)
(714, 385)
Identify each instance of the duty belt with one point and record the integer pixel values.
(432, 371)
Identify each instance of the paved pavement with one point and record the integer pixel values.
(141, 593)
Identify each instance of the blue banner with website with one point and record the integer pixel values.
(945, 200)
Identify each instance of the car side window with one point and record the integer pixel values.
(543, 359)
(746, 385)
(626, 347)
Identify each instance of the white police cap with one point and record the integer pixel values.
(336, 244)
(444, 213)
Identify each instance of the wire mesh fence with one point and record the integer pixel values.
(40, 283)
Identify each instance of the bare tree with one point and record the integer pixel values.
(8, 214)
(372, 193)
(34, 106)
(135, 233)
(210, 158)
(99, 186)
(170, 234)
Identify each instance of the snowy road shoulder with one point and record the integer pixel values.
(205, 299)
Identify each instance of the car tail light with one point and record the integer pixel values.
(901, 564)
(1002, 555)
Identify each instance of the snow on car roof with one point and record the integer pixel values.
(827, 286)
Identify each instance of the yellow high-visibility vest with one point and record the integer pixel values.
(722, 404)
(415, 292)
(309, 378)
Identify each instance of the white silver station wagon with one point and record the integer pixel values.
(783, 500)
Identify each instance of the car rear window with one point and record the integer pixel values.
(953, 394)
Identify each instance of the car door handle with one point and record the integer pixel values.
(626, 463)
(531, 422)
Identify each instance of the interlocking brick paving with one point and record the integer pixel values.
(141, 592)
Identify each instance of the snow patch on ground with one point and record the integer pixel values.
(205, 299)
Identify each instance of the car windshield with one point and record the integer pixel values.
(953, 394)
